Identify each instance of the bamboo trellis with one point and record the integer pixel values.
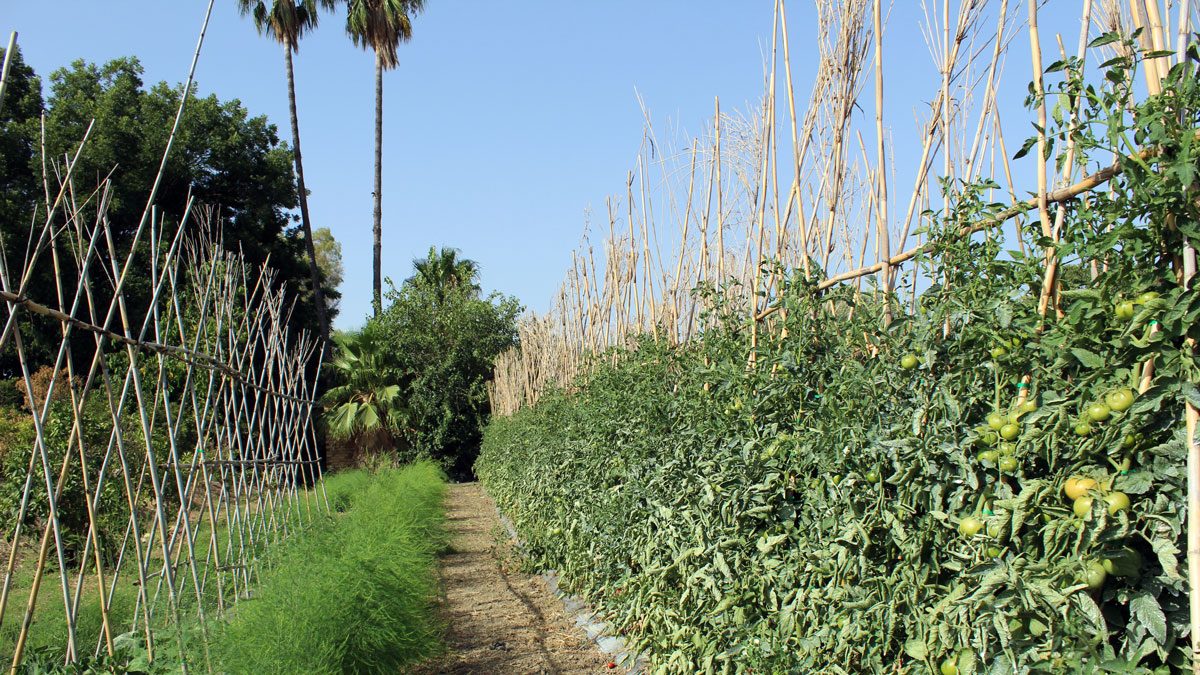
(205, 405)
(196, 402)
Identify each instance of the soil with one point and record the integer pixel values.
(498, 619)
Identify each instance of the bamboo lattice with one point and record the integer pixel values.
(196, 402)
(206, 400)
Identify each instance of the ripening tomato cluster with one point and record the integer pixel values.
(1001, 431)
(1126, 309)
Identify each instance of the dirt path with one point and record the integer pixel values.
(500, 620)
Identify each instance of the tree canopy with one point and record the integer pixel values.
(224, 157)
(438, 343)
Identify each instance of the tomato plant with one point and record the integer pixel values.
(717, 541)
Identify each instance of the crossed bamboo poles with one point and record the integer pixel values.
(212, 352)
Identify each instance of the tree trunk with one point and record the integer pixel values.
(313, 270)
(378, 226)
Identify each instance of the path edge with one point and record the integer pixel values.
(584, 614)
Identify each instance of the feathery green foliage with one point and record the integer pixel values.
(354, 595)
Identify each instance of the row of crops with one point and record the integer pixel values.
(991, 479)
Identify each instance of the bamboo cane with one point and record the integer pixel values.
(881, 210)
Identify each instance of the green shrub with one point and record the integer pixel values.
(350, 596)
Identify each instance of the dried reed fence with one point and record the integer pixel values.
(193, 405)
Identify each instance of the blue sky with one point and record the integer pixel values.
(505, 122)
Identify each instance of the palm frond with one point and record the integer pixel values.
(382, 26)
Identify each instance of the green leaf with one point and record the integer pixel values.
(1191, 393)
(916, 649)
(1147, 611)
(1056, 67)
(1107, 38)
(1026, 147)
(1136, 483)
(1087, 358)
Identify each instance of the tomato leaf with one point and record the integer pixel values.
(1145, 608)
(1191, 393)
(1168, 557)
(1136, 483)
(916, 649)
(1092, 611)
(1087, 358)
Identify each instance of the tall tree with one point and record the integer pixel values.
(443, 270)
(286, 21)
(223, 156)
(380, 25)
(329, 259)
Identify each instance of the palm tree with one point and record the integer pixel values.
(380, 25)
(286, 21)
(367, 403)
(443, 270)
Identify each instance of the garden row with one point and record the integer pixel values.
(985, 483)
(352, 593)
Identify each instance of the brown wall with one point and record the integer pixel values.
(340, 454)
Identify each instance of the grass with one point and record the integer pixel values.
(401, 509)
(351, 595)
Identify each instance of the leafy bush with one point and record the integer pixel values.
(840, 507)
(351, 596)
(415, 378)
(17, 443)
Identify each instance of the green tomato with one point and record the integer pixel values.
(1124, 310)
(1095, 576)
(908, 362)
(1117, 501)
(1145, 297)
(1027, 407)
(1124, 563)
(995, 421)
(987, 456)
(949, 667)
(1098, 412)
(994, 530)
(997, 352)
(1008, 463)
(1129, 441)
(1119, 400)
(1082, 506)
(1009, 431)
(1014, 417)
(994, 551)
(1083, 429)
(872, 477)
(1007, 448)
(970, 526)
(989, 438)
